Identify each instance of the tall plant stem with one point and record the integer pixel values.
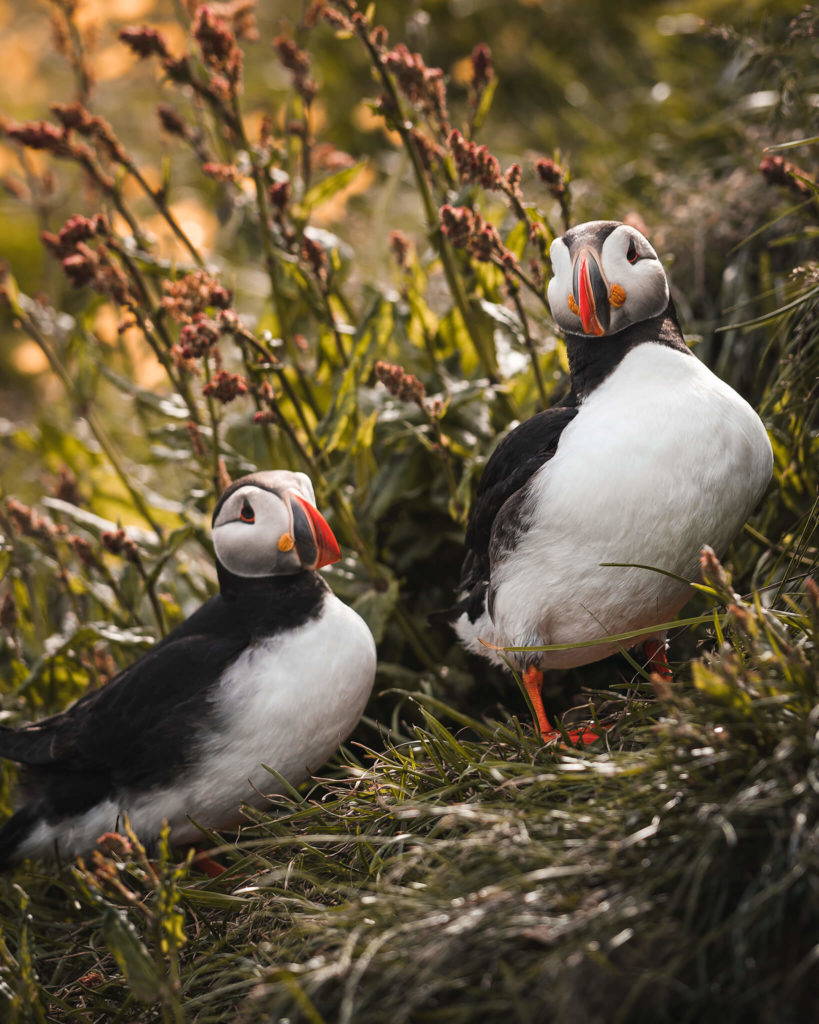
(474, 328)
(270, 255)
(530, 345)
(87, 413)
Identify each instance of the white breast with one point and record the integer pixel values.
(288, 703)
(662, 458)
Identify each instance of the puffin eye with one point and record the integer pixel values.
(631, 253)
(247, 515)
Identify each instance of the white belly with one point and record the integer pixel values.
(662, 458)
(287, 703)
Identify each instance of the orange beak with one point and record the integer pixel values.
(315, 541)
(591, 294)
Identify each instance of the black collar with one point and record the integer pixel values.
(591, 360)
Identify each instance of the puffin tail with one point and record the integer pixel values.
(14, 832)
(29, 745)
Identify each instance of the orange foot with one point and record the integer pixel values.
(207, 865)
(533, 681)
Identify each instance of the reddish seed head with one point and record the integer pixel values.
(482, 68)
(225, 386)
(144, 41)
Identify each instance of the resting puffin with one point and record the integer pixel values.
(648, 458)
(272, 670)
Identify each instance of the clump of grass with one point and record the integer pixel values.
(465, 872)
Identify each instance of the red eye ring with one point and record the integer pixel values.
(247, 515)
(631, 253)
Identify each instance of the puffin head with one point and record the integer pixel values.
(606, 277)
(267, 524)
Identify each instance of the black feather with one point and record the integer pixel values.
(499, 499)
(143, 727)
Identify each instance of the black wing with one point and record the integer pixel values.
(510, 467)
(139, 727)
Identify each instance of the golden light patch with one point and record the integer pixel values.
(366, 120)
(317, 117)
(617, 296)
(286, 542)
(199, 224)
(462, 71)
(112, 62)
(252, 122)
(177, 39)
(132, 189)
(95, 12)
(148, 372)
(573, 306)
(18, 68)
(8, 159)
(29, 359)
(106, 324)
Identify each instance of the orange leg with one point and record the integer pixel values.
(657, 661)
(533, 681)
(207, 865)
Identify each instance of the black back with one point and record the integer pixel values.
(143, 726)
(495, 518)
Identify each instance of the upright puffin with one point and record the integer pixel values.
(273, 670)
(649, 458)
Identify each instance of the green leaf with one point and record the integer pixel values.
(131, 955)
(329, 187)
(484, 105)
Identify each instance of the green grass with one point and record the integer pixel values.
(464, 872)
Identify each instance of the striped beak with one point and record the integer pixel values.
(316, 544)
(590, 293)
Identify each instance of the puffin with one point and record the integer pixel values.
(274, 670)
(590, 517)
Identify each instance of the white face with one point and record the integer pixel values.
(269, 526)
(247, 531)
(600, 290)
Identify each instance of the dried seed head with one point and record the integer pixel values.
(192, 294)
(482, 68)
(336, 20)
(199, 336)
(84, 550)
(475, 163)
(117, 542)
(144, 41)
(112, 844)
(457, 223)
(280, 194)
(552, 175)
(218, 45)
(313, 252)
(67, 488)
(297, 63)
(423, 86)
(171, 121)
(226, 386)
(400, 246)
(398, 382)
(776, 170)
